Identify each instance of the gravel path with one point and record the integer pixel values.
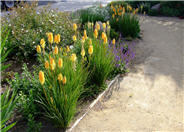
(150, 97)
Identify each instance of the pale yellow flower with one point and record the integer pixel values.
(42, 43)
(85, 34)
(51, 100)
(60, 77)
(74, 38)
(123, 10)
(67, 49)
(104, 25)
(75, 26)
(90, 41)
(82, 52)
(38, 49)
(73, 57)
(83, 39)
(113, 16)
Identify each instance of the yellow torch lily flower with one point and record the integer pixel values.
(60, 63)
(85, 34)
(60, 77)
(82, 52)
(41, 77)
(90, 50)
(104, 25)
(95, 33)
(123, 10)
(50, 37)
(74, 38)
(67, 49)
(113, 41)
(141, 7)
(97, 26)
(105, 40)
(73, 57)
(47, 65)
(103, 35)
(51, 100)
(52, 64)
(113, 16)
(56, 50)
(42, 43)
(90, 41)
(57, 39)
(75, 26)
(83, 39)
(114, 10)
(38, 49)
(64, 80)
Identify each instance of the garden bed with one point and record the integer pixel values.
(66, 82)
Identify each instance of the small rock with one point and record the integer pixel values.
(156, 7)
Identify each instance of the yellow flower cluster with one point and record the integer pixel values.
(50, 40)
(51, 64)
(119, 10)
(54, 62)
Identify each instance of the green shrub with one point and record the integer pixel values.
(94, 14)
(8, 103)
(153, 12)
(27, 25)
(166, 11)
(172, 8)
(28, 89)
(114, 34)
(127, 25)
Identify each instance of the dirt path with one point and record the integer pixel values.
(150, 97)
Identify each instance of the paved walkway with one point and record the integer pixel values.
(150, 97)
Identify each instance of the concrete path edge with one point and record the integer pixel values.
(100, 96)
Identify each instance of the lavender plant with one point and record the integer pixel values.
(123, 54)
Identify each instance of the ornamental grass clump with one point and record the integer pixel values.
(98, 59)
(62, 80)
(124, 20)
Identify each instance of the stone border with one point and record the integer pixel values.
(113, 85)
